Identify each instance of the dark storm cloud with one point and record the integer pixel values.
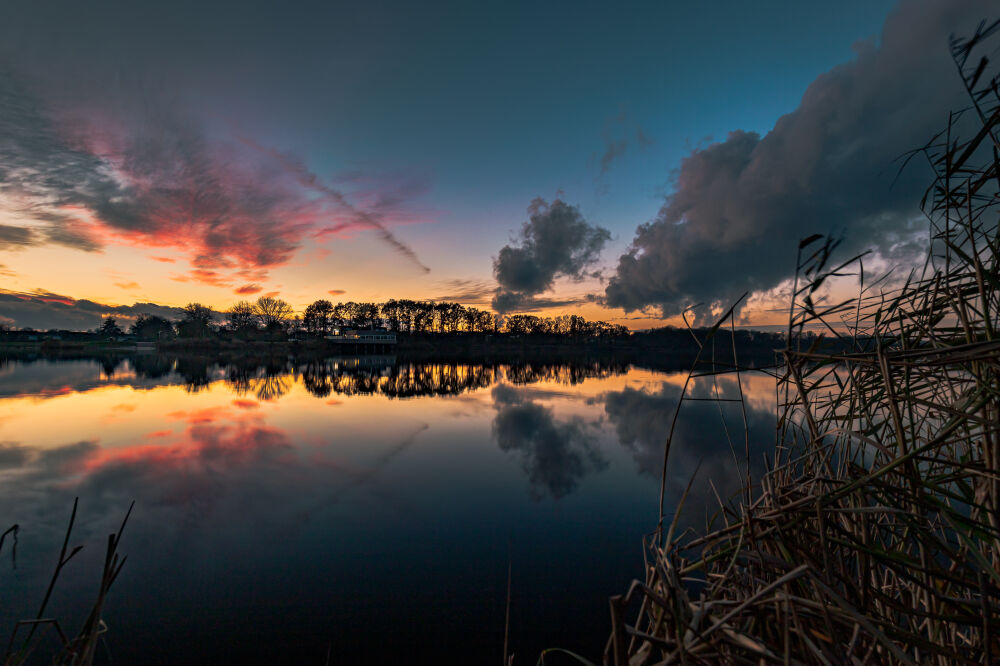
(556, 241)
(556, 454)
(43, 310)
(739, 206)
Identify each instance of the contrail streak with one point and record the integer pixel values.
(308, 179)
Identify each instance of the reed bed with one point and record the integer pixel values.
(874, 535)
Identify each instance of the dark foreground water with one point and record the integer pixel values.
(361, 507)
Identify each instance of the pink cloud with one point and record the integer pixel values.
(252, 288)
(233, 209)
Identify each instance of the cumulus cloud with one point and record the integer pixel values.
(740, 205)
(556, 454)
(556, 241)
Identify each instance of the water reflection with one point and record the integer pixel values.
(709, 438)
(270, 378)
(314, 499)
(555, 454)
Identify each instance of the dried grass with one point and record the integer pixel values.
(874, 536)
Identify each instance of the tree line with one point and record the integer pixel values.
(274, 318)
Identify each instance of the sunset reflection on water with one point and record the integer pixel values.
(287, 506)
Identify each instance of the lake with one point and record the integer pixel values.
(366, 508)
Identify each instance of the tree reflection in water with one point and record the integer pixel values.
(270, 377)
(268, 380)
(383, 376)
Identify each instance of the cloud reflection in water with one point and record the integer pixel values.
(555, 454)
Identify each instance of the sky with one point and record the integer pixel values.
(616, 160)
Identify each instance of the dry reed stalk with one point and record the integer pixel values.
(874, 537)
(80, 650)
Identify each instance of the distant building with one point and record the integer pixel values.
(366, 336)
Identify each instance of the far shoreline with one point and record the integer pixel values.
(671, 349)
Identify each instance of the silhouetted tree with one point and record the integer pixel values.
(367, 315)
(110, 328)
(196, 322)
(152, 327)
(391, 313)
(317, 316)
(242, 317)
(272, 313)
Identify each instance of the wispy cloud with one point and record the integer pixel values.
(357, 217)
(252, 288)
(469, 291)
(84, 180)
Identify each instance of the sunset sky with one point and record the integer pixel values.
(616, 160)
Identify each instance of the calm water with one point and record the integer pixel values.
(284, 509)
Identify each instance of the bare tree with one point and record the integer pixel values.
(272, 312)
(196, 322)
(242, 316)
